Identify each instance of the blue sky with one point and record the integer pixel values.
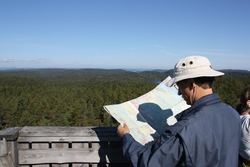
(143, 34)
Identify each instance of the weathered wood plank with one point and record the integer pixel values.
(12, 151)
(67, 131)
(66, 139)
(70, 156)
(5, 161)
(8, 150)
(3, 147)
(66, 146)
(67, 134)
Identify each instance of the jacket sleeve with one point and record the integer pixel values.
(163, 152)
(245, 143)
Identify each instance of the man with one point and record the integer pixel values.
(206, 134)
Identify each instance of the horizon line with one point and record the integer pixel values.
(98, 68)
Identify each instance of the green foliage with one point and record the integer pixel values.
(65, 97)
(76, 97)
(230, 86)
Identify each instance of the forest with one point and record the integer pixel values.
(75, 97)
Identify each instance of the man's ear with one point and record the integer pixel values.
(194, 86)
(191, 84)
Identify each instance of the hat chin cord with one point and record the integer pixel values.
(193, 95)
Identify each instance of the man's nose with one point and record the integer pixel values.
(179, 92)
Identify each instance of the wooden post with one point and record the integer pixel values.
(8, 138)
(3, 147)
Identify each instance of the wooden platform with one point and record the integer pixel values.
(61, 147)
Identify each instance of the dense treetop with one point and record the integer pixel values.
(76, 97)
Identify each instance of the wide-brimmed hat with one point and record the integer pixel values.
(193, 67)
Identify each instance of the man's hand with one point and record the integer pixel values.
(122, 130)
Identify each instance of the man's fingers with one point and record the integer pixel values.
(125, 126)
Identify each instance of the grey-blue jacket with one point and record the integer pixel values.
(206, 135)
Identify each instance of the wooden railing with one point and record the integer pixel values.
(46, 146)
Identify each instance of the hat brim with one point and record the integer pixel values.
(210, 73)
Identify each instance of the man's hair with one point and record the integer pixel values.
(204, 82)
(244, 97)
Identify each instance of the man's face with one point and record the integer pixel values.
(185, 89)
(248, 103)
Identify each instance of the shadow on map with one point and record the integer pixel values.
(154, 116)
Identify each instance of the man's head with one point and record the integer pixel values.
(194, 76)
(193, 89)
(244, 106)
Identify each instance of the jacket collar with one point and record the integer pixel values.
(204, 101)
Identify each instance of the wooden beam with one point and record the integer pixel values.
(67, 134)
(70, 156)
(29, 139)
(55, 131)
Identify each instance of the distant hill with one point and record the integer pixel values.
(113, 74)
(236, 72)
(88, 74)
